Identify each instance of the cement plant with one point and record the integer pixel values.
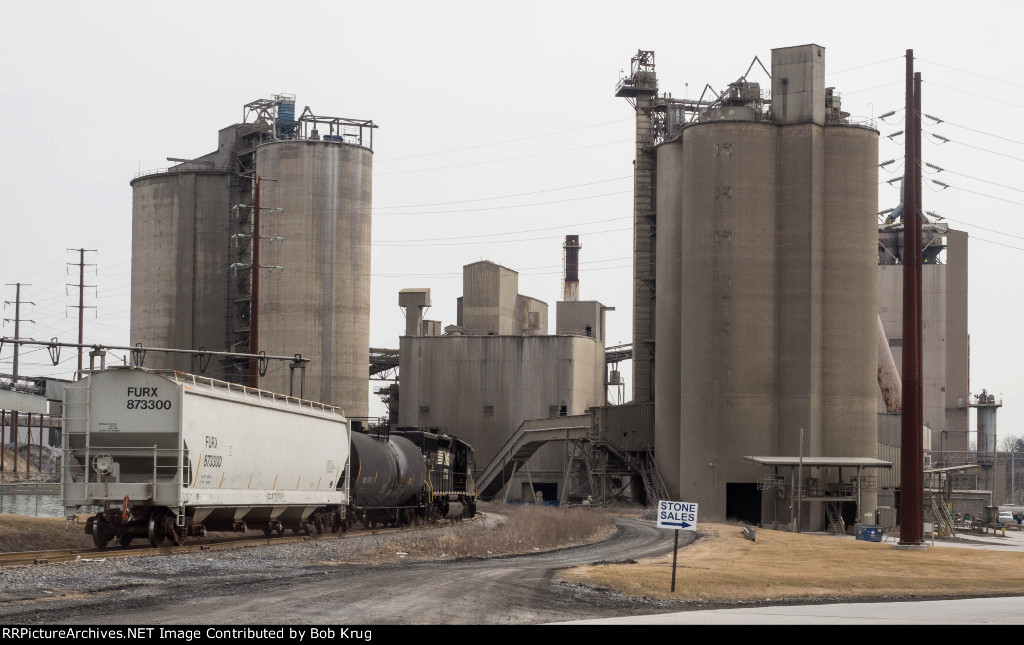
(768, 340)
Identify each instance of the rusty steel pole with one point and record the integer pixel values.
(14, 426)
(254, 306)
(81, 306)
(912, 450)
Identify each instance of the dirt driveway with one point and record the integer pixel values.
(300, 584)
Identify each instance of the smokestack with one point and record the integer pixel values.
(571, 268)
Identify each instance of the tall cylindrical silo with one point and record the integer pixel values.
(727, 287)
(668, 312)
(318, 303)
(179, 263)
(850, 297)
(800, 237)
(850, 291)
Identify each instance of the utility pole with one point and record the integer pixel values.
(912, 448)
(81, 301)
(17, 334)
(257, 363)
(17, 318)
(254, 303)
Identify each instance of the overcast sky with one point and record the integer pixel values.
(499, 134)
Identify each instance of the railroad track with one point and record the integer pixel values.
(22, 558)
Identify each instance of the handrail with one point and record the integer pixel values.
(215, 384)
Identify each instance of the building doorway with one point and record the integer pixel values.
(743, 502)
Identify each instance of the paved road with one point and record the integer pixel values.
(973, 611)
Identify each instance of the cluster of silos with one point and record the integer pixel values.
(314, 237)
(766, 290)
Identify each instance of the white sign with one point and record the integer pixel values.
(680, 516)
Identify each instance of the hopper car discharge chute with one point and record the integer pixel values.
(167, 455)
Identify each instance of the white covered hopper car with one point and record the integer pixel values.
(168, 455)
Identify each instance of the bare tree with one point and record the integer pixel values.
(1012, 443)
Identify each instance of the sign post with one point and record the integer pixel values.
(678, 516)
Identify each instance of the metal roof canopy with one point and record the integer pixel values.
(821, 462)
(949, 469)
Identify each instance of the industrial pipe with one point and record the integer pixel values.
(888, 378)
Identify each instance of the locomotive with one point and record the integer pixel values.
(409, 476)
(168, 455)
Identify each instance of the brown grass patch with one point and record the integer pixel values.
(520, 529)
(724, 566)
(24, 533)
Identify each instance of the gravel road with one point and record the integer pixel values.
(317, 583)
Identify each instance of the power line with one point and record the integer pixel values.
(493, 208)
(480, 163)
(459, 273)
(953, 172)
(879, 62)
(974, 192)
(988, 134)
(527, 239)
(941, 139)
(990, 230)
(867, 89)
(981, 96)
(498, 143)
(964, 71)
(996, 243)
(533, 230)
(534, 192)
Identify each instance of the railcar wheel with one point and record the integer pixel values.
(155, 530)
(101, 534)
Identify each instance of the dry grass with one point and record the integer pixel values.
(520, 529)
(22, 533)
(724, 566)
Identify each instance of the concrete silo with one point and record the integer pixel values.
(193, 253)
(318, 304)
(179, 261)
(766, 288)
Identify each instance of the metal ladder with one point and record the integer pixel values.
(940, 515)
(75, 397)
(835, 518)
(653, 488)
